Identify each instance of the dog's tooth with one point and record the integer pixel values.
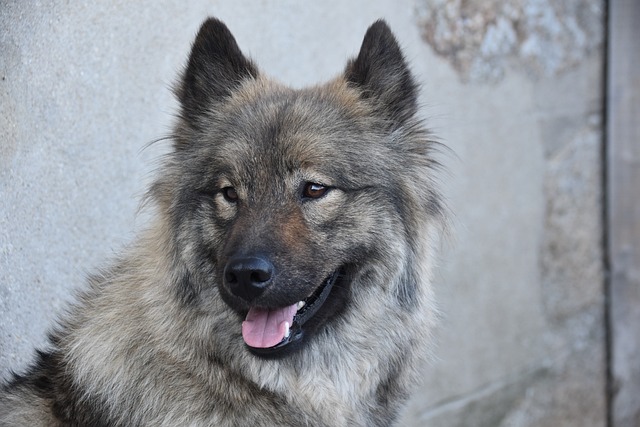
(300, 304)
(286, 329)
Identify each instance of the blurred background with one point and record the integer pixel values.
(538, 100)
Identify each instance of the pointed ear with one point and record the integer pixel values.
(381, 74)
(216, 67)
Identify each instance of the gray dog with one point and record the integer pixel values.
(286, 277)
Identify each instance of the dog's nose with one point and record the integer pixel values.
(248, 277)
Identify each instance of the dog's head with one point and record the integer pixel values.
(279, 198)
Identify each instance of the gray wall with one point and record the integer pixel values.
(513, 87)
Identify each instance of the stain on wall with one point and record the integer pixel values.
(482, 38)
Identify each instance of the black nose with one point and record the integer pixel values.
(248, 277)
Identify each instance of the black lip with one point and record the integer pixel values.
(296, 331)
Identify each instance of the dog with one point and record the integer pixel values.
(285, 278)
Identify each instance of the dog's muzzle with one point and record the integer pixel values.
(248, 277)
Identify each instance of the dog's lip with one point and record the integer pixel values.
(305, 310)
(312, 304)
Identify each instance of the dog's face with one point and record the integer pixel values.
(283, 195)
(279, 206)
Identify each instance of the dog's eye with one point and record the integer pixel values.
(229, 193)
(314, 191)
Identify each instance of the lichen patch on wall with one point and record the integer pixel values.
(481, 38)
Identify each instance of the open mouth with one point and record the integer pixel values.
(267, 331)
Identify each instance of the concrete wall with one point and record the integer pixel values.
(513, 87)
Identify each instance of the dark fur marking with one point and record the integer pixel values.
(216, 67)
(381, 72)
(47, 379)
(186, 290)
(388, 394)
(407, 292)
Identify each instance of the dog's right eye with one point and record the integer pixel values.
(313, 190)
(229, 194)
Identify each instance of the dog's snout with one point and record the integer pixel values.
(248, 277)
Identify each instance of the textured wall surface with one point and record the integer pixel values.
(513, 87)
(623, 209)
(522, 342)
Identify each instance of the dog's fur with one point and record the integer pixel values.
(333, 181)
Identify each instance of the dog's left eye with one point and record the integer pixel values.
(313, 190)
(229, 193)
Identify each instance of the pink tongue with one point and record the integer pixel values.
(266, 327)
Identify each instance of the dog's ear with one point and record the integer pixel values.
(216, 67)
(380, 72)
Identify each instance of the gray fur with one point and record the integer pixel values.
(155, 338)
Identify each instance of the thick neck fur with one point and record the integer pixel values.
(207, 364)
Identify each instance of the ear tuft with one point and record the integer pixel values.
(215, 68)
(380, 72)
